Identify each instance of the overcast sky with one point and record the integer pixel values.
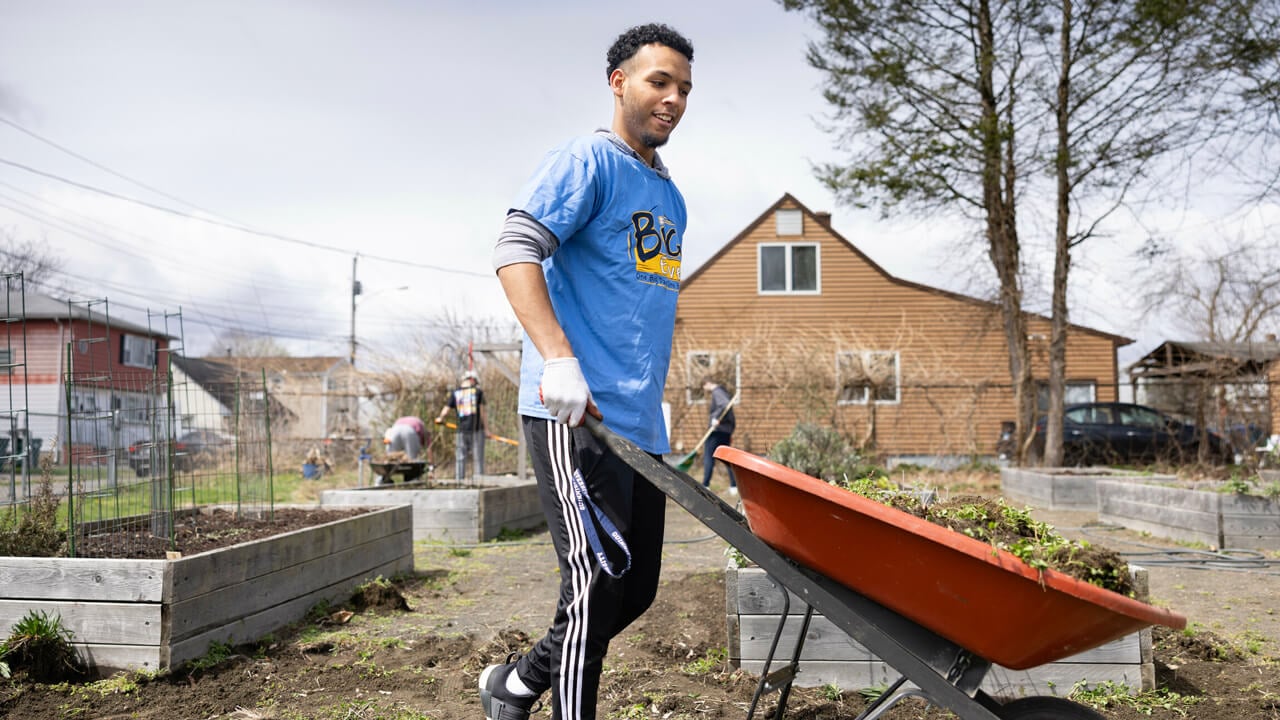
(399, 132)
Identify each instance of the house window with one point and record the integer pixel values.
(137, 351)
(788, 222)
(1075, 392)
(788, 268)
(724, 366)
(6, 362)
(867, 375)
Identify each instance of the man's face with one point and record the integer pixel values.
(652, 88)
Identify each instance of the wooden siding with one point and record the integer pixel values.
(953, 361)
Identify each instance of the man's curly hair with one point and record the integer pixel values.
(629, 42)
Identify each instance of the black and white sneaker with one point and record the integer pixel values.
(498, 703)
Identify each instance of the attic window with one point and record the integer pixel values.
(789, 222)
(788, 268)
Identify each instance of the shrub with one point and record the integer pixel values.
(822, 453)
(33, 531)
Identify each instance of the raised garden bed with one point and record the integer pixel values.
(1065, 488)
(829, 656)
(158, 614)
(457, 514)
(1216, 519)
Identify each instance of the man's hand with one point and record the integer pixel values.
(564, 390)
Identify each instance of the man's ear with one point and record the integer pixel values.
(617, 81)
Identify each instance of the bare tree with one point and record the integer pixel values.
(238, 343)
(35, 260)
(1226, 296)
(1132, 90)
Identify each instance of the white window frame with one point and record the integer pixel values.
(788, 269)
(864, 396)
(138, 351)
(698, 363)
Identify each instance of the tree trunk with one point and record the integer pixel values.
(1061, 255)
(998, 181)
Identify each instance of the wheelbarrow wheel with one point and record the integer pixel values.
(1046, 708)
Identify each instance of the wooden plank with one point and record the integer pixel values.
(251, 627)
(1051, 679)
(84, 579)
(110, 659)
(113, 623)
(198, 574)
(826, 641)
(1159, 496)
(225, 604)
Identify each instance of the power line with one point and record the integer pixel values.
(101, 167)
(235, 226)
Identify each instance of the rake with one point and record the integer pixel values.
(686, 463)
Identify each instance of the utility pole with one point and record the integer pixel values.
(355, 290)
(351, 371)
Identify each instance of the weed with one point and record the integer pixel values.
(873, 693)
(42, 645)
(217, 654)
(1109, 694)
(34, 531)
(831, 692)
(709, 663)
(736, 557)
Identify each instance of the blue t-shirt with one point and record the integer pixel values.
(613, 280)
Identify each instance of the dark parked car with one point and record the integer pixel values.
(1119, 433)
(198, 448)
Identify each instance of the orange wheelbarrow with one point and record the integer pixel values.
(937, 606)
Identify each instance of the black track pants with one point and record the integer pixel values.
(593, 607)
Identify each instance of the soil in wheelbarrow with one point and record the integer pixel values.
(414, 650)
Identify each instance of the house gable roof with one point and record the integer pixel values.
(788, 199)
(35, 306)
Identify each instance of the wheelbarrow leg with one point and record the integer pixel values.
(783, 678)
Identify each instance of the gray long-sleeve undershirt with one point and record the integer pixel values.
(522, 240)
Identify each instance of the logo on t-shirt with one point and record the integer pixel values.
(657, 245)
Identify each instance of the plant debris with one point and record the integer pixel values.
(995, 522)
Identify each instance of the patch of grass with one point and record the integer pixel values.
(1109, 694)
(41, 645)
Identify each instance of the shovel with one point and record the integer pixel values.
(686, 463)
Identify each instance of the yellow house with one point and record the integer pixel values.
(804, 327)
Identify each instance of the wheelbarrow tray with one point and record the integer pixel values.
(408, 469)
(977, 596)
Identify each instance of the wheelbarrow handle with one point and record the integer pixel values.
(677, 485)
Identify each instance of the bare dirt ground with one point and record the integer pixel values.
(414, 650)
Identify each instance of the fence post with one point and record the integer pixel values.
(271, 474)
(71, 495)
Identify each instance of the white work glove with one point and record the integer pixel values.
(564, 392)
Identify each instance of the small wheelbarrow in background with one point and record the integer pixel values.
(937, 606)
(408, 470)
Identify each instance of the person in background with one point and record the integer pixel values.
(467, 400)
(407, 435)
(720, 415)
(589, 258)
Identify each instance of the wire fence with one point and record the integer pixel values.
(137, 455)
